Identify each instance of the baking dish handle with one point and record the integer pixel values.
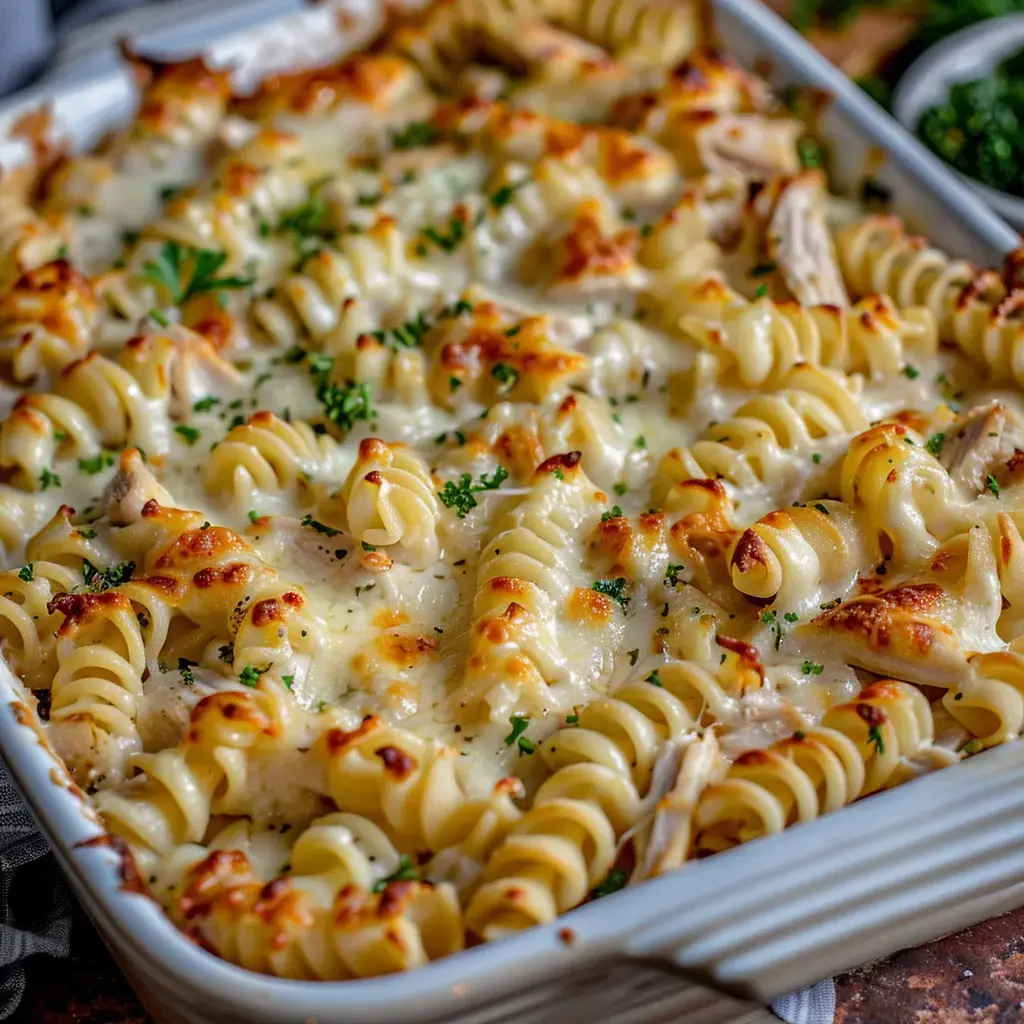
(895, 872)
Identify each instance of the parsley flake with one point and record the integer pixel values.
(184, 271)
(460, 496)
(405, 872)
(249, 676)
(615, 589)
(875, 736)
(312, 524)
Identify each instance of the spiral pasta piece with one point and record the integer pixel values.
(286, 932)
(268, 456)
(95, 403)
(859, 748)
(525, 585)
(47, 320)
(415, 788)
(763, 341)
(973, 309)
(100, 661)
(902, 491)
(800, 556)
(371, 265)
(390, 502)
(170, 802)
(27, 625)
(646, 33)
(757, 444)
(361, 355)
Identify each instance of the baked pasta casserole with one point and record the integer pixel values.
(444, 487)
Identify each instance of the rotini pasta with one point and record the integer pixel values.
(443, 486)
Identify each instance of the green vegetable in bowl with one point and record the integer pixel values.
(979, 130)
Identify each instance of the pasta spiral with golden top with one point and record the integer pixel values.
(390, 502)
(859, 748)
(47, 320)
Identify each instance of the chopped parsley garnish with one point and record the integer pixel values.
(369, 547)
(343, 406)
(158, 316)
(254, 516)
(672, 574)
(633, 655)
(503, 196)
(791, 617)
(184, 271)
(226, 653)
(450, 241)
(760, 291)
(48, 480)
(641, 441)
(816, 458)
(973, 746)
(415, 135)
(460, 496)
(613, 513)
(935, 443)
(26, 573)
(189, 434)
(615, 589)
(506, 375)
(771, 619)
(185, 668)
(312, 524)
(823, 509)
(98, 580)
(911, 372)
(763, 269)
(96, 464)
(992, 484)
(456, 309)
(812, 668)
(573, 719)
(620, 489)
(615, 881)
(519, 723)
(810, 152)
(654, 679)
(410, 334)
(249, 676)
(405, 872)
(89, 534)
(558, 474)
(205, 404)
(288, 680)
(875, 736)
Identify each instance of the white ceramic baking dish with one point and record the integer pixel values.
(902, 867)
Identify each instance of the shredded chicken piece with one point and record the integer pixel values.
(131, 487)
(668, 842)
(799, 243)
(984, 438)
(749, 145)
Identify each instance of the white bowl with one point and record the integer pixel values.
(970, 53)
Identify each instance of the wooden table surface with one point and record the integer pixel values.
(973, 977)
